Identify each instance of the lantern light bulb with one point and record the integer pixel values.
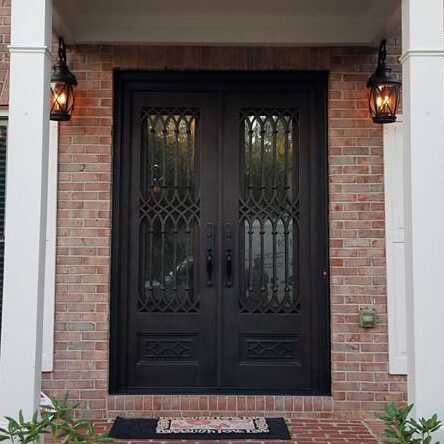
(61, 99)
(382, 103)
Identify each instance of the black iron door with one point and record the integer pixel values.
(220, 235)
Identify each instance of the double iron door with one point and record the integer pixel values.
(219, 275)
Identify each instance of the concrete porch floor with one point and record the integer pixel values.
(322, 431)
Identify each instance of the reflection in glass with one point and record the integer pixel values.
(169, 212)
(269, 212)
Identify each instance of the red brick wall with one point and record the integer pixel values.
(360, 380)
(5, 22)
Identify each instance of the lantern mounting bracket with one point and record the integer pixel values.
(382, 53)
(62, 51)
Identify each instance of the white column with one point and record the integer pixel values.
(25, 225)
(423, 108)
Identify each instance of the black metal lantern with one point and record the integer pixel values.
(63, 87)
(384, 91)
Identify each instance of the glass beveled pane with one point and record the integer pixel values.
(268, 212)
(169, 212)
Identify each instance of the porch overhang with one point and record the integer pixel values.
(249, 22)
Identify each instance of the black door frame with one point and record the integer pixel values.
(126, 83)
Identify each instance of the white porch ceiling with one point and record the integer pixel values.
(245, 22)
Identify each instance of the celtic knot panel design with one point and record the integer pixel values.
(269, 211)
(169, 211)
(269, 350)
(166, 347)
(274, 348)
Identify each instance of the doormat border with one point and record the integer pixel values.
(145, 428)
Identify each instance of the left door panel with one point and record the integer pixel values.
(167, 241)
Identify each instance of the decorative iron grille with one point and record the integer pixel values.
(169, 211)
(269, 211)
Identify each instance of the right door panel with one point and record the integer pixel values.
(275, 279)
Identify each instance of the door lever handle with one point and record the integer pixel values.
(229, 267)
(229, 245)
(210, 267)
(210, 245)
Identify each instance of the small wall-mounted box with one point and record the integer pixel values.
(367, 317)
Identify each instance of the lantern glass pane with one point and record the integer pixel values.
(383, 102)
(385, 99)
(62, 100)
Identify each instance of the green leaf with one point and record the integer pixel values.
(11, 420)
(20, 417)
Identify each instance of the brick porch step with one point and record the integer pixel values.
(320, 431)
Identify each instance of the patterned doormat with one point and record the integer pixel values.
(200, 428)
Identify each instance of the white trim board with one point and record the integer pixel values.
(395, 245)
(50, 267)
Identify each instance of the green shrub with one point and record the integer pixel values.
(399, 429)
(58, 421)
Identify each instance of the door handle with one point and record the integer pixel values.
(210, 268)
(209, 241)
(229, 266)
(228, 241)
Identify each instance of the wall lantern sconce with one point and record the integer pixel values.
(384, 91)
(63, 87)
